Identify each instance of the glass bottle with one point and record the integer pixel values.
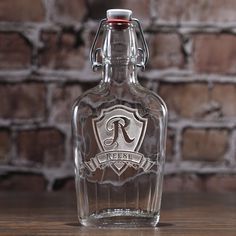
(119, 133)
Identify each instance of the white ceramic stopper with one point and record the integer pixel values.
(123, 14)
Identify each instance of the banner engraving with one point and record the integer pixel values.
(119, 132)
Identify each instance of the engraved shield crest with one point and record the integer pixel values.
(119, 128)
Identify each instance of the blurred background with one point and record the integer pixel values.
(44, 66)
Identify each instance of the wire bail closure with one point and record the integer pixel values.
(143, 52)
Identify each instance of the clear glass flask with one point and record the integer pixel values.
(119, 133)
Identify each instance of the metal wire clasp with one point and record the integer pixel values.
(143, 52)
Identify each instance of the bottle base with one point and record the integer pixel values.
(123, 218)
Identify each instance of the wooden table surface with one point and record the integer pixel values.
(55, 214)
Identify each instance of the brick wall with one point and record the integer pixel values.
(44, 66)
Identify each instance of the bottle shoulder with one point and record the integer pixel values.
(91, 95)
(133, 95)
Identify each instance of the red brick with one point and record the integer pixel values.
(196, 11)
(165, 51)
(21, 10)
(141, 10)
(172, 184)
(185, 100)
(170, 145)
(193, 183)
(215, 53)
(97, 8)
(15, 51)
(183, 183)
(62, 52)
(62, 100)
(22, 182)
(69, 12)
(205, 145)
(5, 145)
(65, 185)
(221, 183)
(197, 101)
(224, 96)
(41, 147)
(22, 101)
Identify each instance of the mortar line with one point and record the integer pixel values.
(48, 6)
(156, 25)
(152, 11)
(177, 147)
(63, 127)
(169, 76)
(232, 151)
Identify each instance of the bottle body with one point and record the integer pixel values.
(119, 135)
(127, 189)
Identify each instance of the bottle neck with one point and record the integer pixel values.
(120, 54)
(119, 74)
